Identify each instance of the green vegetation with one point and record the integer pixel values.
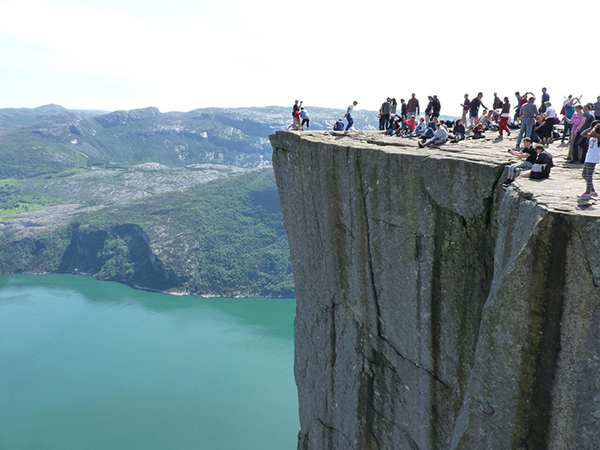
(224, 238)
(14, 199)
(159, 226)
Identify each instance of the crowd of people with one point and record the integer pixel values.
(536, 125)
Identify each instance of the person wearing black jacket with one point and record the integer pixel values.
(474, 108)
(497, 102)
(436, 107)
(429, 109)
(403, 109)
(542, 164)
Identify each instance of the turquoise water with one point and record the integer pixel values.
(86, 364)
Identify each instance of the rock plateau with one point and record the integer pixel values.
(434, 309)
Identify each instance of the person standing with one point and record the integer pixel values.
(504, 116)
(296, 107)
(521, 100)
(465, 108)
(528, 113)
(295, 125)
(592, 158)
(545, 98)
(412, 108)
(305, 119)
(384, 115)
(580, 141)
(403, 109)
(348, 116)
(550, 116)
(393, 108)
(575, 121)
(474, 109)
(569, 110)
(597, 108)
(497, 102)
(429, 108)
(436, 106)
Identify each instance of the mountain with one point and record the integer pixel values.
(52, 139)
(171, 201)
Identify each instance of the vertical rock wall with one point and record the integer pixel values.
(435, 311)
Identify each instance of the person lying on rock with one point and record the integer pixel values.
(528, 154)
(440, 136)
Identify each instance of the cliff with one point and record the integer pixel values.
(434, 309)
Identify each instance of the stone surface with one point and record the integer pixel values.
(436, 310)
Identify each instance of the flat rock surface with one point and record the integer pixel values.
(558, 193)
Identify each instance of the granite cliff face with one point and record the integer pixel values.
(435, 310)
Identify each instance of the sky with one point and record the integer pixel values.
(186, 54)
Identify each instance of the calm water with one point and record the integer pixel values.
(86, 364)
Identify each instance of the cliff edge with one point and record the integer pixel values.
(434, 309)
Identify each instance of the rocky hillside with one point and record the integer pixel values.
(220, 238)
(435, 309)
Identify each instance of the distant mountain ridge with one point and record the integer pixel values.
(52, 139)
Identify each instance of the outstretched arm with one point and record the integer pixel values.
(591, 133)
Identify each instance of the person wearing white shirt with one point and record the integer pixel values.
(592, 158)
(348, 116)
(550, 118)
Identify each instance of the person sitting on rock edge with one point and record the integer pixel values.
(394, 128)
(478, 132)
(421, 127)
(459, 132)
(528, 154)
(409, 126)
(439, 137)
